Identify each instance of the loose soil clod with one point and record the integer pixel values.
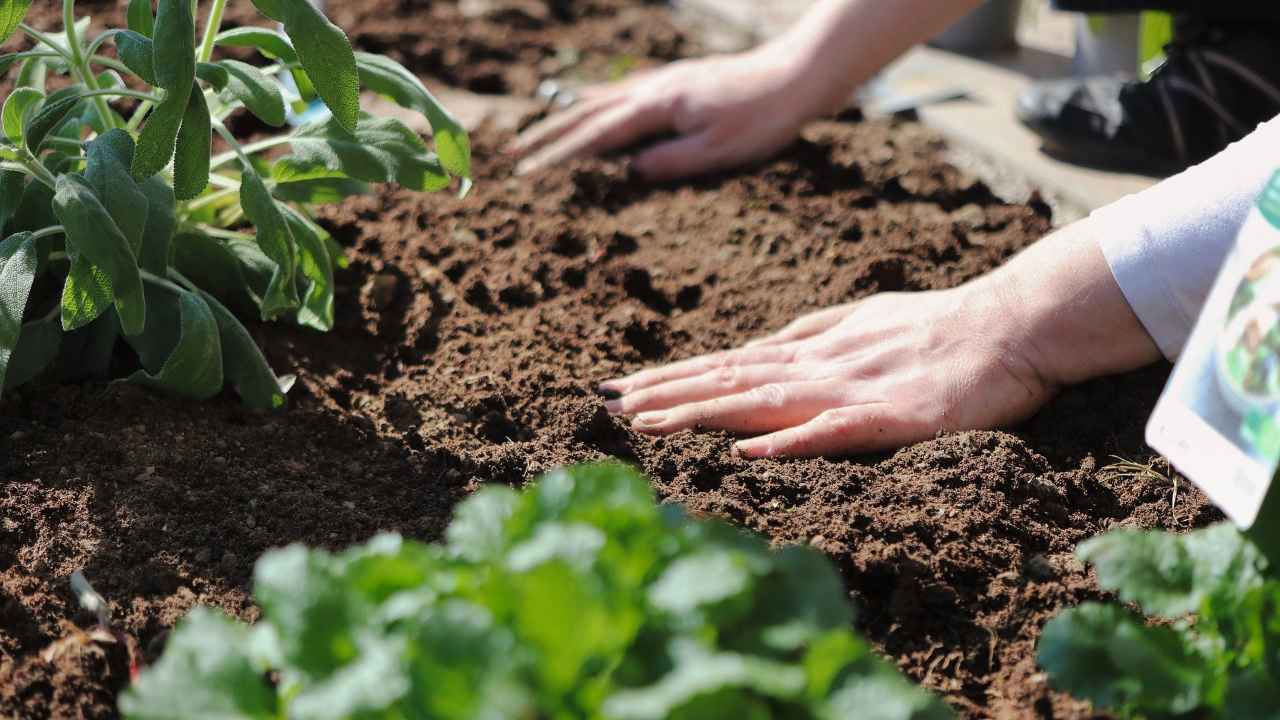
(471, 336)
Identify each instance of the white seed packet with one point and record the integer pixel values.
(1218, 420)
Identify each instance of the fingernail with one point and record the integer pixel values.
(608, 392)
(613, 406)
(650, 419)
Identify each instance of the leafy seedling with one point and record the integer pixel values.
(122, 228)
(579, 598)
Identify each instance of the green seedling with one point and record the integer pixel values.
(121, 225)
(578, 598)
(1209, 646)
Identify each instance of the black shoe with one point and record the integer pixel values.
(1216, 86)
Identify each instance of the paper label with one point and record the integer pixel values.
(1218, 420)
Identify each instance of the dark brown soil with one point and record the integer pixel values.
(470, 334)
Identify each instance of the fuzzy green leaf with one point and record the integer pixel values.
(1107, 655)
(381, 150)
(92, 234)
(11, 14)
(277, 242)
(1171, 575)
(108, 159)
(193, 147)
(192, 366)
(17, 108)
(33, 73)
(19, 261)
(175, 46)
(157, 239)
(207, 672)
(137, 52)
(50, 116)
(247, 84)
(314, 263)
(243, 364)
(141, 19)
(325, 53)
(236, 272)
(270, 43)
(175, 70)
(11, 192)
(388, 77)
(320, 190)
(86, 294)
(37, 349)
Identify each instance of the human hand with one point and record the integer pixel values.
(876, 374)
(725, 111)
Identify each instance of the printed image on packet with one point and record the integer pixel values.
(1218, 420)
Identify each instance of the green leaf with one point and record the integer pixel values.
(477, 532)
(137, 52)
(175, 47)
(243, 364)
(325, 54)
(270, 43)
(32, 74)
(157, 239)
(248, 85)
(19, 261)
(207, 672)
(1171, 575)
(159, 137)
(236, 272)
(11, 192)
(192, 366)
(175, 70)
(108, 158)
(381, 150)
(1109, 656)
(319, 191)
(35, 209)
(304, 599)
(276, 240)
(93, 235)
(699, 673)
(11, 14)
(387, 77)
(86, 294)
(37, 349)
(17, 108)
(709, 577)
(193, 148)
(313, 261)
(49, 117)
(141, 20)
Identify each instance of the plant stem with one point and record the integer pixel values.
(182, 280)
(47, 232)
(121, 92)
(218, 232)
(211, 29)
(81, 67)
(162, 282)
(212, 198)
(38, 171)
(251, 148)
(139, 115)
(43, 39)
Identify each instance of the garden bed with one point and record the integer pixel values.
(470, 334)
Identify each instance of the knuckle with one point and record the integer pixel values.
(727, 376)
(837, 422)
(772, 396)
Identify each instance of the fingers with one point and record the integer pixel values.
(690, 155)
(840, 431)
(560, 123)
(766, 408)
(728, 380)
(805, 327)
(693, 367)
(608, 128)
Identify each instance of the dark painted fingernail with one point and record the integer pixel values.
(608, 393)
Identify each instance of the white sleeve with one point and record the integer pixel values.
(1165, 245)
